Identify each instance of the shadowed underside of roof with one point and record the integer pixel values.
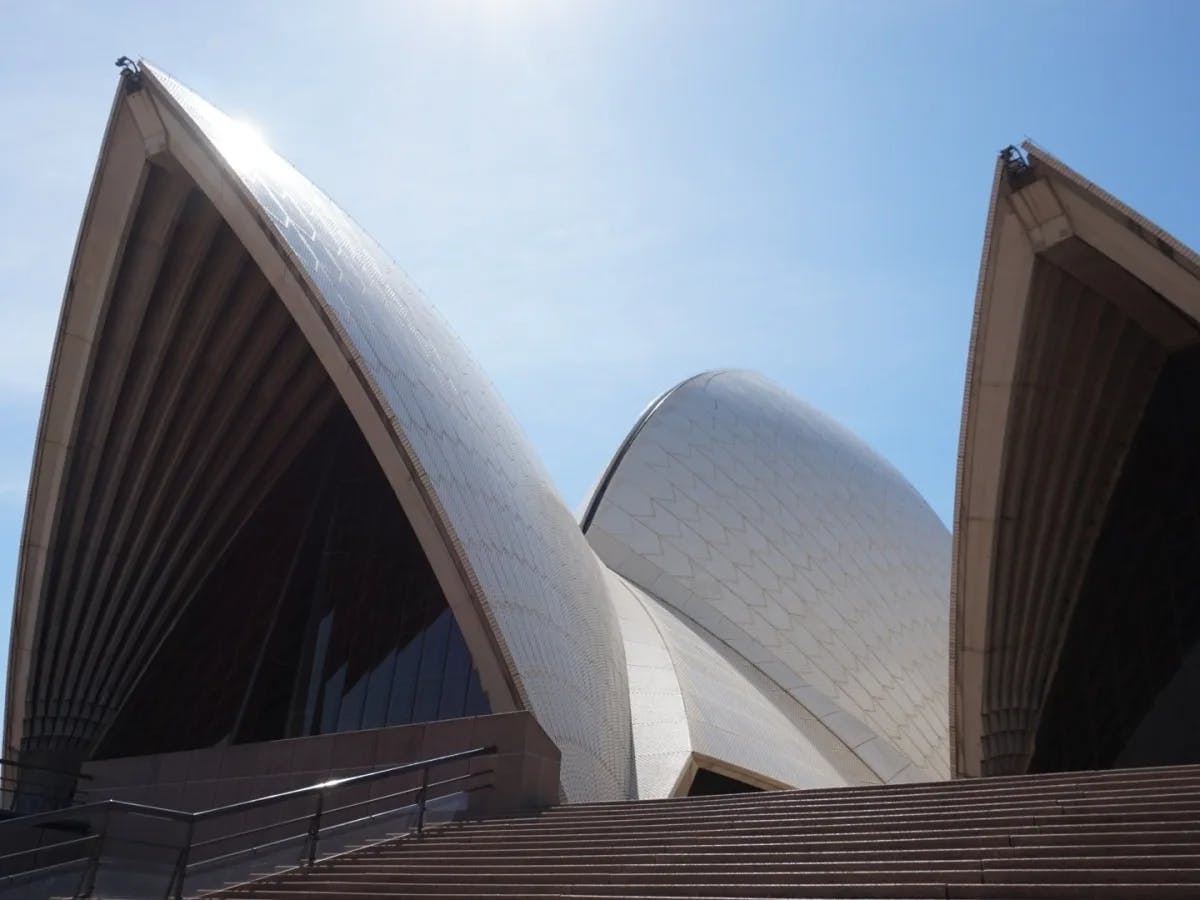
(1083, 307)
(200, 391)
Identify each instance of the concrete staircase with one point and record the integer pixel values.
(1116, 834)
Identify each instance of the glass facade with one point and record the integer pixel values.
(323, 615)
(1125, 687)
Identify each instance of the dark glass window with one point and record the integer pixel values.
(476, 702)
(379, 691)
(1124, 691)
(323, 615)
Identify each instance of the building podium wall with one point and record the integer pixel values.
(526, 766)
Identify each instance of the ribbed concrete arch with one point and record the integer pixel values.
(205, 260)
(1082, 306)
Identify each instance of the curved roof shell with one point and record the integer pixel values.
(787, 540)
(529, 594)
(1082, 303)
(697, 703)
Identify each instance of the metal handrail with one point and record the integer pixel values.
(79, 840)
(337, 809)
(191, 819)
(325, 828)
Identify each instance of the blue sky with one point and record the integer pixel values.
(606, 198)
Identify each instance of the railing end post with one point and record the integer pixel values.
(314, 832)
(421, 797)
(175, 888)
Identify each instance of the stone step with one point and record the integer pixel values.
(830, 892)
(718, 856)
(1003, 836)
(1165, 794)
(1156, 820)
(1046, 871)
(931, 793)
(1014, 783)
(791, 887)
(788, 815)
(993, 805)
(1144, 890)
(1171, 799)
(991, 840)
(1133, 890)
(1104, 835)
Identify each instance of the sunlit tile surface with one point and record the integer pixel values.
(690, 694)
(781, 538)
(539, 582)
(781, 592)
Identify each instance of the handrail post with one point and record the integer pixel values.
(314, 831)
(421, 800)
(175, 888)
(87, 884)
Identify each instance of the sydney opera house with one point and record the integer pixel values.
(275, 504)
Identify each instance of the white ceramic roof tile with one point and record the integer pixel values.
(698, 698)
(531, 568)
(809, 552)
(796, 576)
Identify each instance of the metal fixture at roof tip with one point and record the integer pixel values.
(131, 72)
(1016, 166)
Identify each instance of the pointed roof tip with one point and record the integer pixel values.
(1014, 156)
(1024, 152)
(1045, 160)
(131, 73)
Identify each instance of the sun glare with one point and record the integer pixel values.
(244, 145)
